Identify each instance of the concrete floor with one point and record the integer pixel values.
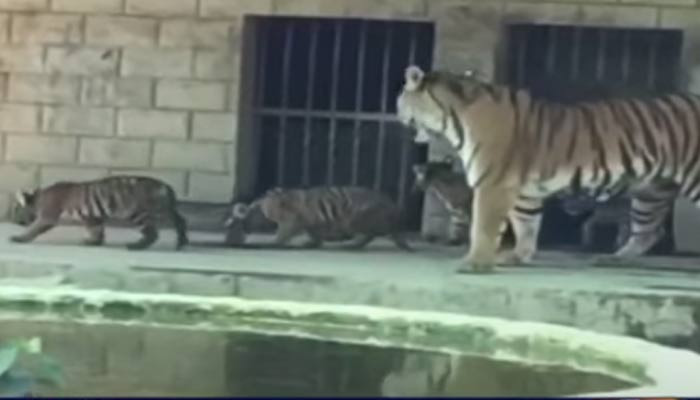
(657, 299)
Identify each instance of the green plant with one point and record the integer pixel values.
(23, 367)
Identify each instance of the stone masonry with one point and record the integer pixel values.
(90, 88)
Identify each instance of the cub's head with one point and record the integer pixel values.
(244, 219)
(236, 224)
(428, 99)
(23, 209)
(424, 174)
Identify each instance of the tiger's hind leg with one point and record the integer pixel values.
(180, 225)
(37, 228)
(96, 232)
(361, 242)
(400, 242)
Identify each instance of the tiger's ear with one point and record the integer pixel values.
(414, 77)
(448, 160)
(23, 198)
(240, 210)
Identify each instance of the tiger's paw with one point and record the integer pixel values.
(611, 260)
(513, 258)
(18, 239)
(473, 265)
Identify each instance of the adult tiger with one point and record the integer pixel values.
(516, 151)
(136, 199)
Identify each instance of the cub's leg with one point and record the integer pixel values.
(490, 209)
(649, 211)
(314, 241)
(180, 225)
(526, 220)
(149, 235)
(287, 231)
(458, 228)
(361, 242)
(400, 242)
(96, 232)
(588, 232)
(37, 228)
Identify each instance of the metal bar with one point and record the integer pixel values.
(600, 64)
(576, 52)
(334, 100)
(362, 50)
(364, 116)
(626, 56)
(306, 167)
(262, 62)
(522, 58)
(551, 50)
(653, 50)
(407, 144)
(381, 139)
(286, 60)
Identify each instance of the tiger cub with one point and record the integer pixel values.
(336, 213)
(450, 187)
(135, 199)
(615, 211)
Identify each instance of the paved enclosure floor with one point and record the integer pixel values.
(657, 298)
(430, 266)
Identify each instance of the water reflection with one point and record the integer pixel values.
(101, 360)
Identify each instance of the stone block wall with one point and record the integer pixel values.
(90, 88)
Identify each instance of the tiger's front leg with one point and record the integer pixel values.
(526, 220)
(37, 228)
(96, 232)
(287, 231)
(490, 209)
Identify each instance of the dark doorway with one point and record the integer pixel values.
(572, 63)
(324, 104)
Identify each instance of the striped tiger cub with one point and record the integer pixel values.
(135, 199)
(450, 188)
(323, 213)
(517, 151)
(615, 211)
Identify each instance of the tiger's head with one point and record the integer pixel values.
(23, 208)
(244, 219)
(236, 224)
(428, 99)
(425, 173)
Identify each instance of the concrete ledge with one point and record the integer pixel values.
(659, 305)
(650, 367)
